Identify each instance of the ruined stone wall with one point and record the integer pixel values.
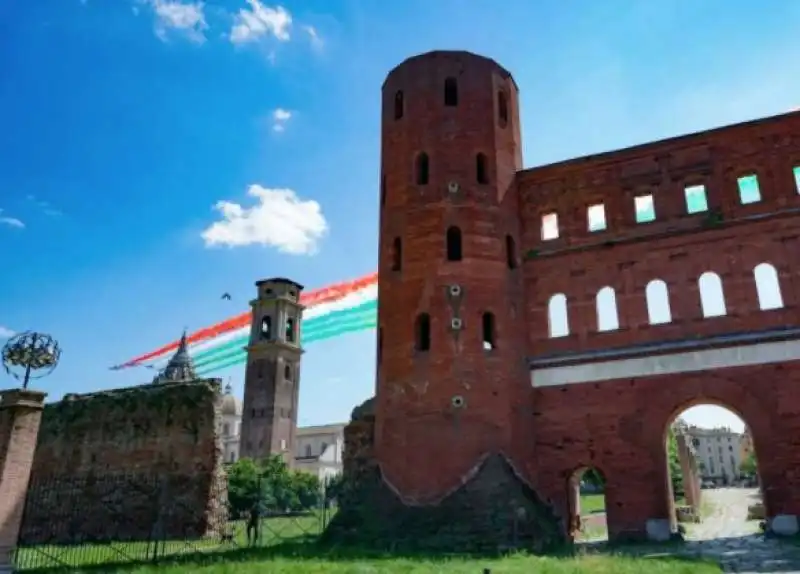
(128, 464)
(491, 509)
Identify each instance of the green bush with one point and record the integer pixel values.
(270, 486)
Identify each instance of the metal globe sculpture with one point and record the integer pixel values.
(30, 355)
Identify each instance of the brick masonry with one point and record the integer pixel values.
(123, 464)
(20, 416)
(439, 412)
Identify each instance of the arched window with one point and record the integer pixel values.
(308, 450)
(450, 92)
(659, 311)
(607, 315)
(454, 244)
(383, 190)
(487, 327)
(557, 318)
(502, 108)
(226, 429)
(399, 104)
(422, 169)
(511, 252)
(423, 332)
(712, 297)
(768, 287)
(480, 169)
(287, 373)
(266, 327)
(290, 330)
(397, 254)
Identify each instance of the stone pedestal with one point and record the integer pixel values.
(20, 415)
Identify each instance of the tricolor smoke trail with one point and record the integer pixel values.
(331, 311)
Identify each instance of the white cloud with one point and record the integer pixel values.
(280, 219)
(260, 21)
(316, 41)
(280, 118)
(6, 333)
(11, 221)
(186, 18)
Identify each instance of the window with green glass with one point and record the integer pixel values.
(696, 201)
(797, 178)
(748, 189)
(645, 209)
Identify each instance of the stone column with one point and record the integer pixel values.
(20, 415)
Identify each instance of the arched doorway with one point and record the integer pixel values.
(587, 503)
(713, 474)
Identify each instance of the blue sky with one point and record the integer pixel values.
(125, 122)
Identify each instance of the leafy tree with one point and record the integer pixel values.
(749, 465)
(334, 486)
(243, 485)
(271, 486)
(674, 463)
(594, 478)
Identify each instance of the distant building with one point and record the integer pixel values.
(719, 453)
(318, 449)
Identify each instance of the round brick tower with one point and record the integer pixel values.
(451, 366)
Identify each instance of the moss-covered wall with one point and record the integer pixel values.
(128, 464)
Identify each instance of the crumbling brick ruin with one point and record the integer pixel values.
(129, 464)
(491, 509)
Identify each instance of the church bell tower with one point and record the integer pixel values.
(271, 384)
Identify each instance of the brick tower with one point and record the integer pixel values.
(451, 334)
(272, 378)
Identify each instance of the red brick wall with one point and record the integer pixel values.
(426, 445)
(676, 247)
(415, 390)
(619, 427)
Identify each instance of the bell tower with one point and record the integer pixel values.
(272, 378)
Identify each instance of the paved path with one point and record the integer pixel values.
(726, 535)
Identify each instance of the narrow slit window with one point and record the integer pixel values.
(480, 169)
(287, 373)
(557, 316)
(607, 313)
(397, 254)
(423, 332)
(399, 104)
(487, 323)
(379, 353)
(549, 226)
(712, 296)
(596, 217)
(383, 190)
(696, 199)
(502, 109)
(749, 192)
(658, 307)
(422, 169)
(450, 92)
(645, 208)
(511, 252)
(768, 287)
(266, 328)
(453, 240)
(290, 330)
(796, 171)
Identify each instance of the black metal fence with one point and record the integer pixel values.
(81, 521)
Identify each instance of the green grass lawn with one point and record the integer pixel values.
(273, 532)
(592, 503)
(520, 564)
